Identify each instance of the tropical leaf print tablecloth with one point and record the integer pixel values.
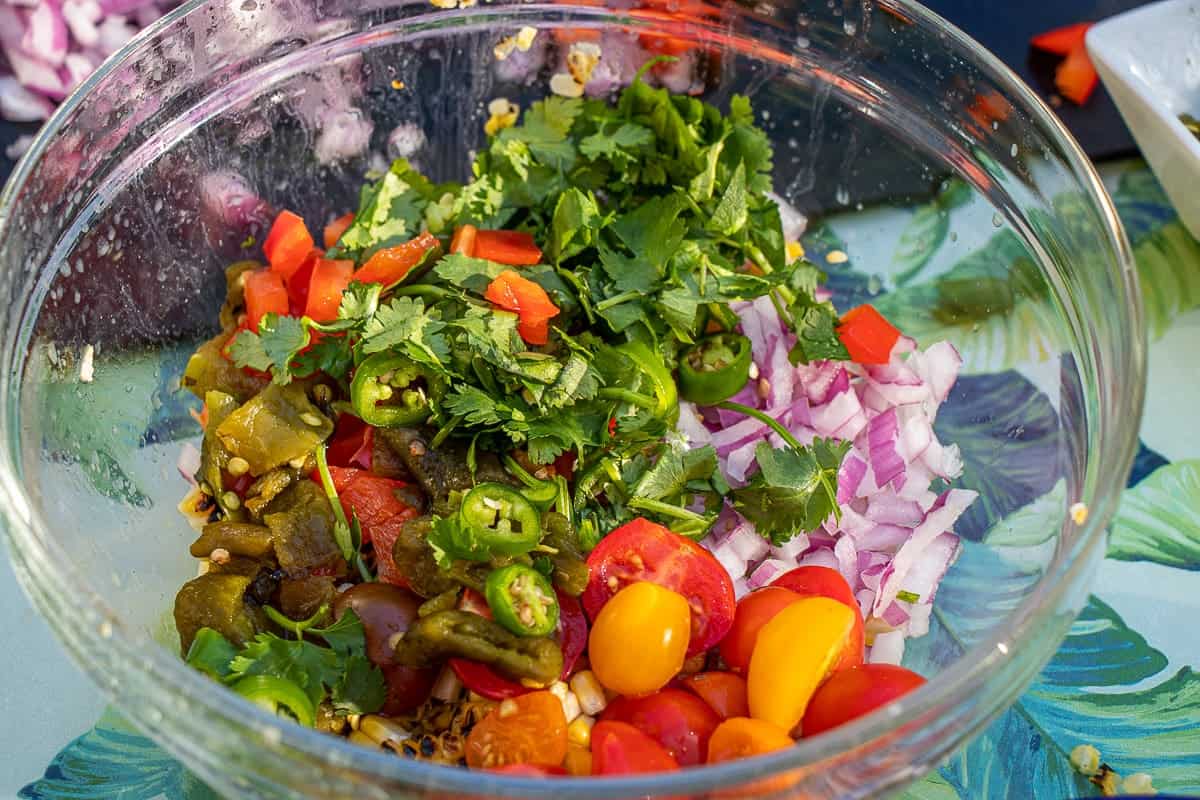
(1124, 679)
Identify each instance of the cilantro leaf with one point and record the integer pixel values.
(747, 144)
(628, 273)
(465, 272)
(794, 491)
(674, 470)
(452, 541)
(543, 131)
(389, 211)
(331, 355)
(211, 653)
(815, 326)
(731, 213)
(653, 230)
(305, 664)
(574, 224)
(405, 324)
(346, 636)
(620, 146)
(272, 349)
(361, 688)
(575, 381)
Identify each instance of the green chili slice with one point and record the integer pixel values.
(541, 493)
(501, 519)
(522, 600)
(715, 368)
(390, 391)
(274, 693)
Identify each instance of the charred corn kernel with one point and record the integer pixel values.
(231, 501)
(507, 708)
(238, 466)
(360, 738)
(298, 462)
(588, 692)
(1085, 759)
(580, 731)
(1138, 783)
(502, 114)
(382, 729)
(564, 84)
(582, 60)
(794, 251)
(525, 38)
(1079, 513)
(578, 761)
(504, 48)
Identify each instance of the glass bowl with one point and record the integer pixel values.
(166, 163)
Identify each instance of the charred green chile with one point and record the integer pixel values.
(236, 538)
(217, 601)
(570, 569)
(501, 519)
(715, 368)
(447, 634)
(275, 426)
(208, 370)
(302, 531)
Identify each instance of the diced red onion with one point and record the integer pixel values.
(114, 33)
(938, 521)
(21, 145)
(882, 433)
(76, 68)
(822, 557)
(866, 599)
(894, 614)
(746, 544)
(448, 686)
(847, 558)
(768, 571)
(739, 462)
(887, 649)
(925, 575)
(188, 463)
(740, 588)
(842, 417)
(21, 105)
(938, 366)
(344, 134)
(791, 549)
(46, 33)
(850, 476)
(691, 426)
(793, 222)
(884, 538)
(918, 619)
(729, 439)
(36, 74)
(888, 509)
(231, 199)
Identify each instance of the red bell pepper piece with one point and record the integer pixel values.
(513, 292)
(329, 280)
(464, 240)
(507, 247)
(868, 337)
(1061, 41)
(391, 264)
(335, 229)
(352, 443)
(1075, 77)
(287, 244)
(265, 294)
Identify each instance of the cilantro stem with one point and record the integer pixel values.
(443, 432)
(296, 626)
(342, 530)
(627, 396)
(765, 418)
(564, 500)
(666, 509)
(617, 299)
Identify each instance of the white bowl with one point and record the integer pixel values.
(1149, 60)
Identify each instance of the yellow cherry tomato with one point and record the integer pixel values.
(640, 638)
(795, 651)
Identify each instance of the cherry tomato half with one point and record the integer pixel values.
(753, 611)
(850, 693)
(815, 581)
(530, 729)
(678, 720)
(618, 748)
(724, 692)
(386, 610)
(741, 737)
(643, 551)
(639, 639)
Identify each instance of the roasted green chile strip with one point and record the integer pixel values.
(501, 519)
(390, 391)
(570, 570)
(522, 600)
(217, 601)
(715, 368)
(445, 634)
(277, 425)
(235, 538)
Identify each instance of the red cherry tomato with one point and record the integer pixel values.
(371, 497)
(572, 637)
(643, 551)
(383, 537)
(753, 611)
(678, 720)
(265, 294)
(407, 688)
(506, 247)
(1061, 41)
(813, 581)
(724, 692)
(868, 337)
(618, 748)
(851, 693)
(287, 244)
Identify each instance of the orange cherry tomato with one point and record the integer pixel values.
(463, 242)
(288, 243)
(391, 264)
(530, 729)
(678, 720)
(618, 748)
(742, 737)
(329, 280)
(724, 692)
(335, 229)
(265, 294)
(815, 581)
(796, 650)
(851, 693)
(639, 639)
(507, 247)
(868, 337)
(514, 292)
(753, 611)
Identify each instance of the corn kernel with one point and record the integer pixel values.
(382, 729)
(1085, 759)
(1137, 783)
(1079, 513)
(565, 85)
(525, 38)
(580, 731)
(582, 60)
(503, 114)
(238, 466)
(589, 692)
(578, 762)
(507, 708)
(795, 251)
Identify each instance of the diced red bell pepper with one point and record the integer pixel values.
(335, 229)
(389, 265)
(287, 244)
(483, 680)
(384, 537)
(265, 294)
(374, 500)
(868, 337)
(513, 292)
(464, 240)
(1075, 77)
(329, 280)
(507, 247)
(473, 601)
(352, 443)
(298, 281)
(1061, 41)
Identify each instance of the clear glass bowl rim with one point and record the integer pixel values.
(960, 681)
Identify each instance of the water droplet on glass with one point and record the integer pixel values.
(1014, 150)
(106, 630)
(997, 220)
(271, 735)
(842, 195)
(802, 42)
(874, 285)
(954, 236)
(850, 27)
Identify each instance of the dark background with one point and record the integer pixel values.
(1004, 27)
